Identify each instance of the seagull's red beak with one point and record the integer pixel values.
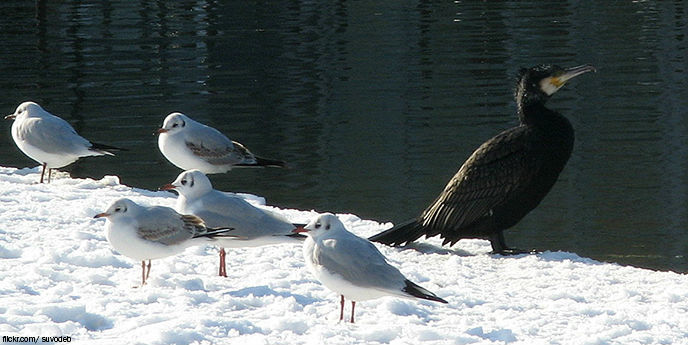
(300, 229)
(168, 186)
(161, 130)
(10, 117)
(101, 215)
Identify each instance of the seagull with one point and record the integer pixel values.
(352, 266)
(189, 144)
(253, 226)
(146, 233)
(50, 140)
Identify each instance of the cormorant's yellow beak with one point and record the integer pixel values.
(573, 72)
(551, 84)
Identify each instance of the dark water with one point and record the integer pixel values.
(376, 104)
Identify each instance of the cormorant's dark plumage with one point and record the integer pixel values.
(507, 176)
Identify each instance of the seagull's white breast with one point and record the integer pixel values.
(336, 282)
(123, 237)
(27, 131)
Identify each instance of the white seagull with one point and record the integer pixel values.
(252, 226)
(189, 144)
(352, 266)
(146, 233)
(50, 140)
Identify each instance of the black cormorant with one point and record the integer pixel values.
(507, 176)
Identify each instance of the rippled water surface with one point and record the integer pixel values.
(375, 105)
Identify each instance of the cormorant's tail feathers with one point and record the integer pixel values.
(400, 234)
(416, 290)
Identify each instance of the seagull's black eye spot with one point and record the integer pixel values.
(117, 209)
(317, 225)
(175, 125)
(183, 182)
(183, 123)
(327, 227)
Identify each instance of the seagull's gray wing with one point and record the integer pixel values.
(52, 134)
(214, 147)
(243, 154)
(359, 262)
(248, 221)
(165, 226)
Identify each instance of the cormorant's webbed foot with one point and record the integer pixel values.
(499, 247)
(514, 251)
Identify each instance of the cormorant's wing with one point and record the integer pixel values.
(492, 174)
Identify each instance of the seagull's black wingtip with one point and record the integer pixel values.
(416, 290)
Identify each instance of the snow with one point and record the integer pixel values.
(60, 277)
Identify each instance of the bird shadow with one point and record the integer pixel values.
(544, 255)
(428, 248)
(264, 290)
(562, 256)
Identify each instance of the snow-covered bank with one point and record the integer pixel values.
(59, 276)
